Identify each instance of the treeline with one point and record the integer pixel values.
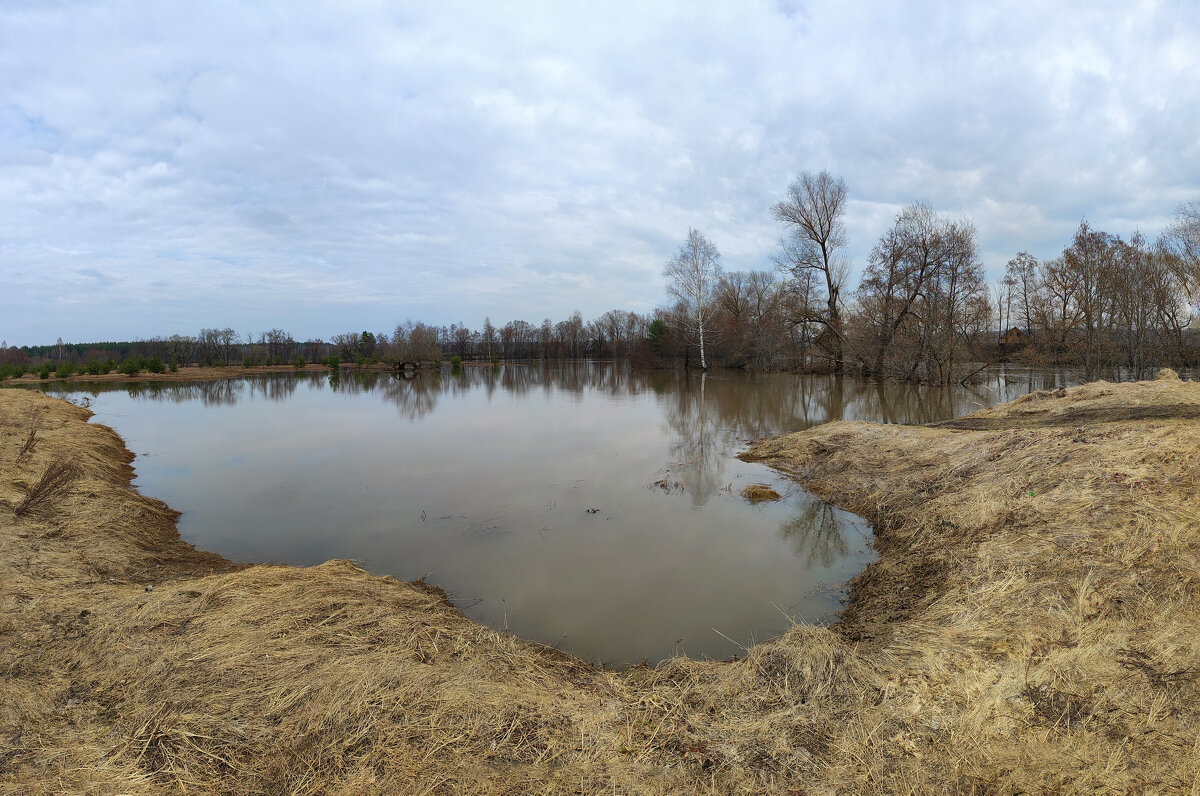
(922, 310)
(1104, 303)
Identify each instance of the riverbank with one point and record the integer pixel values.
(1029, 627)
(221, 372)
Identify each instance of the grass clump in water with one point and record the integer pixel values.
(757, 493)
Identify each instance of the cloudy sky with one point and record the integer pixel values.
(331, 167)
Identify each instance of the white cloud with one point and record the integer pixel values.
(330, 166)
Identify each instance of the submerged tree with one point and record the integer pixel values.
(692, 277)
(921, 295)
(813, 212)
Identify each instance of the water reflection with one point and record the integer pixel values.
(709, 416)
(532, 493)
(815, 534)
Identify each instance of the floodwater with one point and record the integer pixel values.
(581, 505)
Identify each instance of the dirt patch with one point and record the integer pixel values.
(1029, 627)
(756, 493)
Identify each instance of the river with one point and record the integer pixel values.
(582, 505)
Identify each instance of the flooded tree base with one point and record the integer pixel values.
(1030, 626)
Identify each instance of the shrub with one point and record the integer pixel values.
(300, 363)
(56, 480)
(174, 366)
(30, 436)
(131, 366)
(456, 361)
(332, 362)
(45, 370)
(154, 365)
(495, 359)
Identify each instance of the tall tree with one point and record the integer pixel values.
(917, 285)
(692, 277)
(1091, 259)
(812, 213)
(488, 337)
(1021, 275)
(1182, 240)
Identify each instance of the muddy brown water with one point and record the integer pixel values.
(580, 505)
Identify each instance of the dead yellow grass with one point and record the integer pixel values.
(1030, 627)
(756, 493)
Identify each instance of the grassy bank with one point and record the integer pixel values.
(1030, 627)
(218, 373)
(187, 373)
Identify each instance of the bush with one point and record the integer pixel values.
(131, 366)
(300, 363)
(332, 362)
(45, 370)
(456, 361)
(174, 365)
(495, 359)
(63, 370)
(55, 482)
(154, 365)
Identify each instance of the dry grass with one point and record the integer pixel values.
(1029, 627)
(756, 493)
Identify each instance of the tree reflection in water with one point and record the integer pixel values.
(696, 451)
(815, 533)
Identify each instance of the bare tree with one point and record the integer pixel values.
(813, 212)
(692, 277)
(1182, 239)
(1021, 275)
(1091, 258)
(279, 345)
(488, 338)
(545, 335)
(180, 348)
(920, 279)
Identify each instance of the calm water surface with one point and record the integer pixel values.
(582, 505)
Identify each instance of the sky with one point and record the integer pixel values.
(328, 167)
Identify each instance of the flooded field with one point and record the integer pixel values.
(584, 506)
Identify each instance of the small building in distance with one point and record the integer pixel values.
(1014, 339)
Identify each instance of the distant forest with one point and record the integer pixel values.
(922, 311)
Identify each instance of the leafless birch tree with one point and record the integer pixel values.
(692, 277)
